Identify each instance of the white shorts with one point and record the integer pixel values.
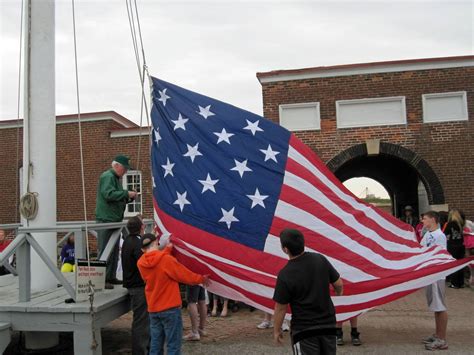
(435, 296)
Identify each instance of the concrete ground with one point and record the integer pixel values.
(395, 328)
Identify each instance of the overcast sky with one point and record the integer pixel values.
(216, 47)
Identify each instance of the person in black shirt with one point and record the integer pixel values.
(304, 285)
(131, 252)
(455, 243)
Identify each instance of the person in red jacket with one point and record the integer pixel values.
(162, 274)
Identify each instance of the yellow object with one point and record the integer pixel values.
(68, 267)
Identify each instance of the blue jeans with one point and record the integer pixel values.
(166, 325)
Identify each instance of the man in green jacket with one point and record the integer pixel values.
(111, 201)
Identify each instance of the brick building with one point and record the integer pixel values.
(105, 134)
(407, 124)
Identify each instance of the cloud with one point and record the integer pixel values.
(216, 47)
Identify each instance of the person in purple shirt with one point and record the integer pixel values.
(68, 259)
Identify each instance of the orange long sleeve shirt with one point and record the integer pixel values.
(162, 274)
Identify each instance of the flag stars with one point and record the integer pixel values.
(205, 111)
(223, 136)
(241, 167)
(180, 122)
(157, 136)
(270, 154)
(168, 167)
(257, 199)
(208, 184)
(228, 217)
(192, 152)
(163, 97)
(253, 127)
(181, 201)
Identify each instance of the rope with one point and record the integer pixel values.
(17, 172)
(29, 205)
(142, 70)
(94, 343)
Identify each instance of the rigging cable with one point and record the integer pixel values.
(94, 343)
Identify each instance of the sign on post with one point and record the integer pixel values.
(84, 273)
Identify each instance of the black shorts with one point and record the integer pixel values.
(324, 344)
(195, 293)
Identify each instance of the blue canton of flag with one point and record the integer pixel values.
(215, 166)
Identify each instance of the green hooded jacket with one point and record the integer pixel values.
(111, 198)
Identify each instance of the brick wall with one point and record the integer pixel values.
(99, 151)
(448, 147)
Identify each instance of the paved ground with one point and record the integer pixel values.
(395, 328)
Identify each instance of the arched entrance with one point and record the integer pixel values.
(404, 174)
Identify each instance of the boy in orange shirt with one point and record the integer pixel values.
(162, 274)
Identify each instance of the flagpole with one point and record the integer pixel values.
(39, 145)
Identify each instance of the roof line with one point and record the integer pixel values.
(360, 68)
(125, 122)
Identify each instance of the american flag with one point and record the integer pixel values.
(227, 181)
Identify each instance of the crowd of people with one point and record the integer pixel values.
(152, 276)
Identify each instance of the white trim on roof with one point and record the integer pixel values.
(70, 120)
(130, 133)
(384, 68)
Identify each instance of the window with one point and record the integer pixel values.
(300, 117)
(447, 106)
(132, 180)
(381, 111)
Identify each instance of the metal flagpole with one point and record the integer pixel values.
(39, 143)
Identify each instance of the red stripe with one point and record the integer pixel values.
(327, 247)
(225, 248)
(300, 171)
(305, 203)
(318, 163)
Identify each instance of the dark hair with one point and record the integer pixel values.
(293, 240)
(134, 225)
(147, 239)
(432, 214)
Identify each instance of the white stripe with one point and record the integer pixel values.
(253, 287)
(347, 272)
(305, 219)
(160, 224)
(369, 212)
(311, 191)
(438, 261)
(341, 317)
(226, 261)
(404, 286)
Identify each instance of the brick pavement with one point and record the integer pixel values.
(395, 328)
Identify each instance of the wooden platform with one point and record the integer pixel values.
(47, 311)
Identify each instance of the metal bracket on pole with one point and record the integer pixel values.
(111, 244)
(51, 266)
(23, 261)
(80, 240)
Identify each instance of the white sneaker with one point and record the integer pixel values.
(265, 325)
(192, 337)
(285, 327)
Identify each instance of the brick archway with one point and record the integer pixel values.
(425, 172)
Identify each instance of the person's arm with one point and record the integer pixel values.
(109, 192)
(181, 273)
(278, 317)
(338, 287)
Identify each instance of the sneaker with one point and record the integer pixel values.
(339, 340)
(115, 282)
(192, 337)
(265, 325)
(438, 344)
(285, 327)
(355, 339)
(429, 340)
(202, 332)
(108, 286)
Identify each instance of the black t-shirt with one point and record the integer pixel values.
(304, 284)
(131, 252)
